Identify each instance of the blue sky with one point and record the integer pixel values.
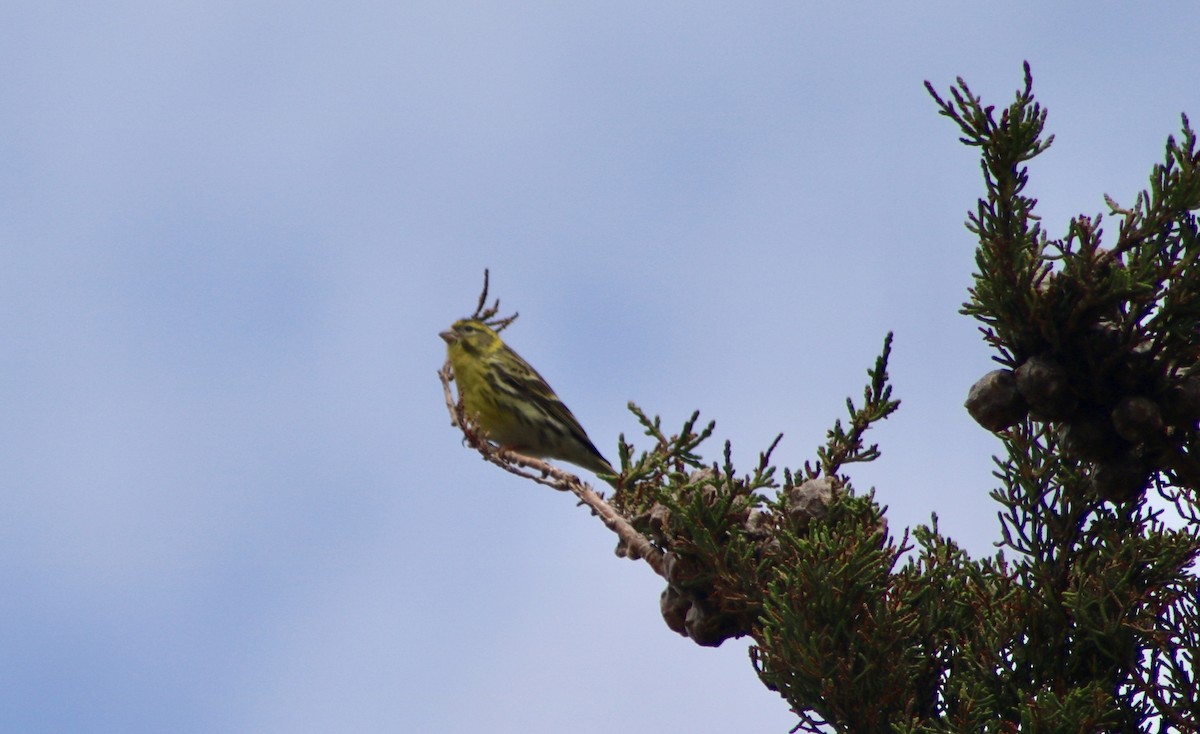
(231, 498)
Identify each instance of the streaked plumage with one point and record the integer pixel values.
(512, 402)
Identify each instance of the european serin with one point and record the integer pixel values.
(512, 402)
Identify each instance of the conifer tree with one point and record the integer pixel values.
(1087, 619)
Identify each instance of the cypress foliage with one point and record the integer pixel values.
(1087, 619)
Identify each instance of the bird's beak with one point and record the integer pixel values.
(449, 336)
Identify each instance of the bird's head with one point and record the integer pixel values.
(473, 336)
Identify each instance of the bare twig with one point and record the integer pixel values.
(551, 476)
(483, 295)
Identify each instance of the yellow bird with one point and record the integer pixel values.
(512, 402)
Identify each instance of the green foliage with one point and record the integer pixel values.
(834, 634)
(725, 536)
(847, 448)
(1104, 344)
(1087, 619)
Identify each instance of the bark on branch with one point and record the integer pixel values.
(636, 544)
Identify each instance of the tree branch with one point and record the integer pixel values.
(636, 544)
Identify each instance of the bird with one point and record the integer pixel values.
(514, 404)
